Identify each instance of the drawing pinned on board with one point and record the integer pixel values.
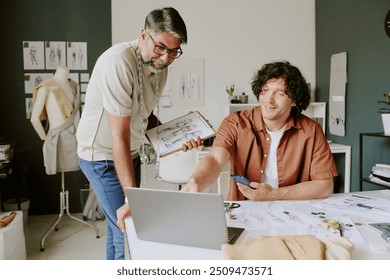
(33, 55)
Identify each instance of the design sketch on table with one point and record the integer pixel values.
(311, 216)
(359, 203)
(304, 217)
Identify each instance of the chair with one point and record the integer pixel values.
(177, 168)
(223, 183)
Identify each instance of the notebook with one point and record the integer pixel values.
(180, 218)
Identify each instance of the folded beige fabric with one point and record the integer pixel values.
(289, 247)
(338, 248)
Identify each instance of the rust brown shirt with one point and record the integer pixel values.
(303, 153)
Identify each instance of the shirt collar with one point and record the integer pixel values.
(259, 125)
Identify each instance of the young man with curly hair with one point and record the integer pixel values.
(283, 153)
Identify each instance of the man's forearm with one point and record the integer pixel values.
(206, 172)
(301, 191)
(121, 137)
(307, 190)
(124, 166)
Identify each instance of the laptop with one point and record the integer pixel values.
(180, 218)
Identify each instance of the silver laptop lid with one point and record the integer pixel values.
(189, 219)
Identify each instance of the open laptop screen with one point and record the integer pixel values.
(188, 219)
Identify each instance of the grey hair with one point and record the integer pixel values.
(166, 20)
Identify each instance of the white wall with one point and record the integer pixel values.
(235, 38)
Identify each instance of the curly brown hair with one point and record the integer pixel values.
(296, 86)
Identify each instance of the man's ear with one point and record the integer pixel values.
(143, 34)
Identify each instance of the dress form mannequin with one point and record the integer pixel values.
(47, 102)
(58, 100)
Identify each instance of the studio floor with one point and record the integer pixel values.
(72, 241)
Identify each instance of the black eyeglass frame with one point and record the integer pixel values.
(164, 50)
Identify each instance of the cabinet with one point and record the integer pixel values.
(361, 158)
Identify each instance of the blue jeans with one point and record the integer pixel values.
(110, 196)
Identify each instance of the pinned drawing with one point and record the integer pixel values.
(185, 84)
(33, 55)
(55, 54)
(76, 53)
(170, 136)
(31, 80)
(28, 107)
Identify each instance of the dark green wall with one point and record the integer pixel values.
(356, 27)
(43, 20)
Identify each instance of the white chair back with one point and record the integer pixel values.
(223, 183)
(177, 168)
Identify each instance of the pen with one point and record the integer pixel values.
(368, 207)
(361, 196)
(386, 236)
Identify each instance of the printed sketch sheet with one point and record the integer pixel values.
(362, 203)
(170, 136)
(305, 217)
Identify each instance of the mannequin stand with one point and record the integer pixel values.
(64, 208)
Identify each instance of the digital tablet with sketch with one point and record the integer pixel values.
(169, 137)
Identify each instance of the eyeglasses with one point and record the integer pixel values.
(160, 50)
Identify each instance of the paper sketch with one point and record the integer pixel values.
(360, 203)
(55, 54)
(33, 55)
(76, 53)
(169, 137)
(28, 107)
(305, 217)
(31, 80)
(185, 84)
(74, 77)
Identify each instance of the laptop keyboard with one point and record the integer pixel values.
(233, 234)
(231, 238)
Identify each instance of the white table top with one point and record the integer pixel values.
(372, 246)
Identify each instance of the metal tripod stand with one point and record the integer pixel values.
(64, 208)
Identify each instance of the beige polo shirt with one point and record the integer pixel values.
(114, 88)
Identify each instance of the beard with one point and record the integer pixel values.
(150, 64)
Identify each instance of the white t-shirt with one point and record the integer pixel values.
(114, 88)
(271, 170)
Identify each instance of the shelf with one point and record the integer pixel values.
(375, 134)
(361, 151)
(367, 180)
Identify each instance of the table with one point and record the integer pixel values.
(374, 247)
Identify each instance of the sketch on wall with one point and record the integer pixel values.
(185, 85)
(337, 88)
(33, 55)
(74, 77)
(31, 80)
(55, 54)
(76, 54)
(48, 55)
(28, 107)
